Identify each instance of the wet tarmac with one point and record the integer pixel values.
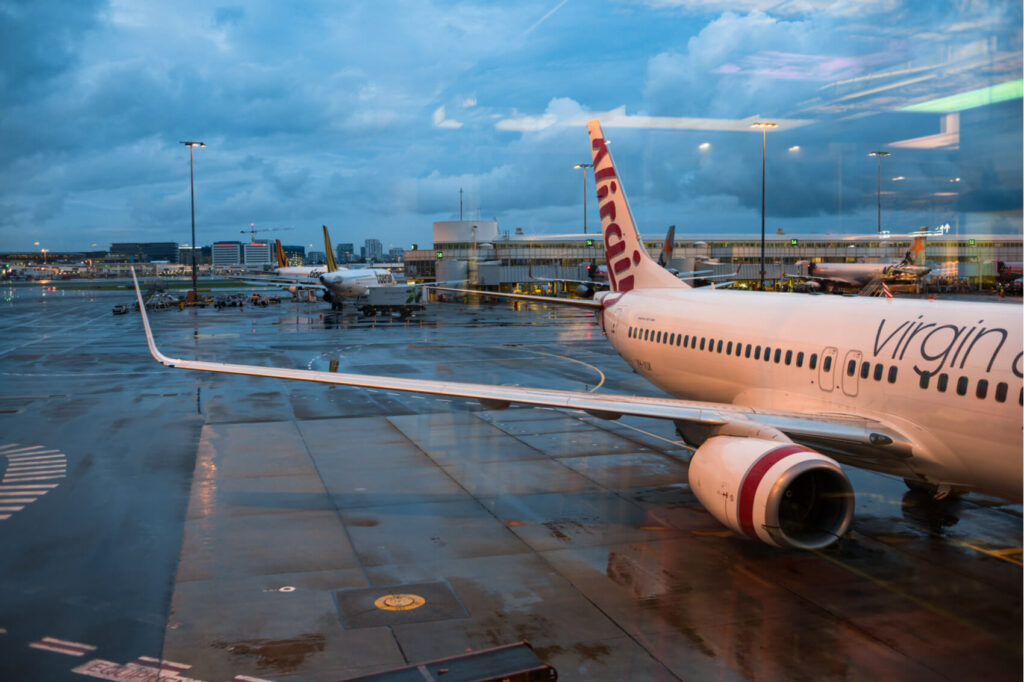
(229, 528)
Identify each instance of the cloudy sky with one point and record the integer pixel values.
(371, 116)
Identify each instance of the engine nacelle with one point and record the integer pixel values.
(585, 291)
(780, 493)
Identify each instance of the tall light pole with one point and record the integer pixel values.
(584, 166)
(192, 187)
(879, 156)
(764, 126)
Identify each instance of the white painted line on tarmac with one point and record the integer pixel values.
(33, 450)
(246, 678)
(48, 469)
(34, 486)
(4, 517)
(18, 459)
(34, 453)
(17, 500)
(11, 509)
(9, 446)
(108, 670)
(161, 664)
(8, 479)
(48, 464)
(62, 646)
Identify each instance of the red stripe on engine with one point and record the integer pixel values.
(753, 479)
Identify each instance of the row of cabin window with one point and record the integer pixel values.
(739, 350)
(728, 347)
(963, 383)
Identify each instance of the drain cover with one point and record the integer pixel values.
(368, 607)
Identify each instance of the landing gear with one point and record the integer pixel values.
(936, 492)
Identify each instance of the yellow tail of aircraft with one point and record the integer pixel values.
(282, 262)
(331, 265)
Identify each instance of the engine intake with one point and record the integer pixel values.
(783, 494)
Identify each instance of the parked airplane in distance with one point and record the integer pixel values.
(860, 274)
(775, 388)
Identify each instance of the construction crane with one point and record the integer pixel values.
(253, 230)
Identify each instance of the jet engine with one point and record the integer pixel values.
(585, 291)
(783, 494)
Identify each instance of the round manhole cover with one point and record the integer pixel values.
(399, 602)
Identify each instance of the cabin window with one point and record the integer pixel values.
(828, 364)
(757, 353)
(789, 356)
(800, 359)
(878, 372)
(961, 386)
(814, 361)
(739, 349)
(943, 383)
(693, 342)
(778, 355)
(982, 389)
(728, 349)
(686, 341)
(719, 345)
(702, 343)
(1001, 391)
(767, 354)
(646, 333)
(747, 354)
(851, 368)
(892, 374)
(679, 339)
(925, 378)
(865, 369)
(657, 338)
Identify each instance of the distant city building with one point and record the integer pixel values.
(294, 254)
(257, 253)
(362, 253)
(142, 252)
(374, 250)
(227, 253)
(316, 258)
(185, 255)
(345, 252)
(396, 255)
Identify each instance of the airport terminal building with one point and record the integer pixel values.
(477, 250)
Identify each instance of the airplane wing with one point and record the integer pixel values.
(580, 302)
(847, 436)
(300, 282)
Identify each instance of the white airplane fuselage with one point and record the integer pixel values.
(963, 432)
(310, 271)
(352, 283)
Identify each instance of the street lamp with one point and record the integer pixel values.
(584, 166)
(764, 126)
(879, 155)
(192, 187)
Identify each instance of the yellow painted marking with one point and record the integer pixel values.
(1010, 554)
(678, 443)
(399, 602)
(566, 357)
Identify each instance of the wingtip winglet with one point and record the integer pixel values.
(153, 350)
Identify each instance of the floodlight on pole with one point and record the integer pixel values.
(584, 166)
(192, 190)
(764, 126)
(879, 155)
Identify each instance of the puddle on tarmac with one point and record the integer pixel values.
(283, 655)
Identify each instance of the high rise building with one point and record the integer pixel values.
(374, 250)
(257, 253)
(345, 252)
(227, 253)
